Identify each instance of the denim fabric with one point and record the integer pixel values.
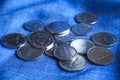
(13, 13)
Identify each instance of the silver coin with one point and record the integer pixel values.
(104, 39)
(86, 17)
(100, 55)
(81, 29)
(64, 52)
(13, 40)
(77, 64)
(34, 25)
(82, 45)
(58, 27)
(29, 52)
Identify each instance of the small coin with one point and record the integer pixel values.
(73, 65)
(58, 27)
(64, 52)
(100, 55)
(34, 25)
(104, 39)
(29, 52)
(13, 40)
(86, 17)
(81, 29)
(82, 45)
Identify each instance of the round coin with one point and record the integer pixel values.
(82, 45)
(100, 55)
(34, 25)
(29, 52)
(104, 39)
(13, 40)
(86, 17)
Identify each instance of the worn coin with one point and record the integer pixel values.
(14, 40)
(104, 39)
(100, 55)
(86, 17)
(82, 45)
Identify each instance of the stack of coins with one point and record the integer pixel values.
(61, 41)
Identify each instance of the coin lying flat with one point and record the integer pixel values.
(34, 25)
(86, 17)
(13, 40)
(82, 45)
(104, 39)
(100, 55)
(29, 52)
(64, 52)
(81, 29)
(58, 27)
(73, 65)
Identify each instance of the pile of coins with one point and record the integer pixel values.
(62, 42)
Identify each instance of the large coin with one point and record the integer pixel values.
(100, 55)
(29, 52)
(104, 39)
(82, 45)
(13, 40)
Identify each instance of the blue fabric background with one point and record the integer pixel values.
(13, 13)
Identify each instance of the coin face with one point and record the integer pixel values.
(64, 52)
(82, 45)
(77, 64)
(86, 17)
(104, 39)
(13, 40)
(29, 52)
(100, 55)
(34, 25)
(81, 29)
(58, 27)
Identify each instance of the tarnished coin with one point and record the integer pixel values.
(29, 52)
(64, 52)
(14, 40)
(104, 39)
(58, 27)
(73, 65)
(82, 45)
(100, 55)
(34, 25)
(81, 29)
(86, 17)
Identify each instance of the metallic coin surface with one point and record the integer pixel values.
(64, 52)
(34, 25)
(104, 39)
(13, 40)
(100, 55)
(29, 52)
(81, 29)
(82, 45)
(86, 17)
(58, 27)
(73, 65)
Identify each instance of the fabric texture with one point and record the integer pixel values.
(13, 13)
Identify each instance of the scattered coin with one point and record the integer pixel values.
(100, 55)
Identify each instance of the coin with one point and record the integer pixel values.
(86, 17)
(34, 25)
(73, 65)
(100, 55)
(29, 52)
(104, 39)
(58, 27)
(64, 52)
(13, 40)
(81, 29)
(82, 45)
